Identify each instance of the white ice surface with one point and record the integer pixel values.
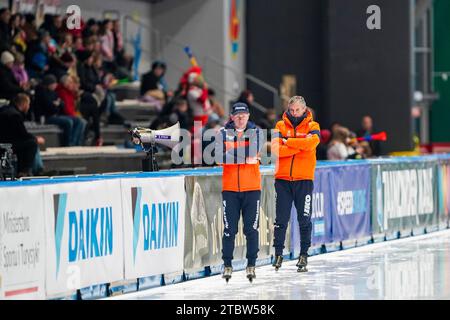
(410, 268)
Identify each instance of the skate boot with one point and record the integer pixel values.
(250, 273)
(227, 271)
(302, 263)
(277, 262)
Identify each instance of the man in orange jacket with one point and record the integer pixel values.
(294, 144)
(237, 147)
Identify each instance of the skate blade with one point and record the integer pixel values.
(227, 279)
(302, 269)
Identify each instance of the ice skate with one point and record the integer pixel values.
(302, 263)
(227, 273)
(277, 262)
(250, 273)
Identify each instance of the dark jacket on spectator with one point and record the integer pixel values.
(36, 58)
(9, 87)
(12, 128)
(88, 77)
(57, 68)
(44, 102)
(5, 36)
(149, 81)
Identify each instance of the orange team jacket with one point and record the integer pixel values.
(242, 175)
(296, 160)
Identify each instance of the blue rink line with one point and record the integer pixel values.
(209, 171)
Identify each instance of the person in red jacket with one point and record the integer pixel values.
(66, 92)
(294, 145)
(237, 147)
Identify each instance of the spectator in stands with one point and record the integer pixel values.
(53, 24)
(322, 148)
(65, 43)
(49, 105)
(216, 107)
(248, 98)
(37, 55)
(5, 30)
(123, 60)
(269, 121)
(13, 131)
(179, 112)
(78, 44)
(18, 36)
(151, 87)
(366, 130)
(108, 104)
(214, 124)
(60, 66)
(19, 71)
(91, 28)
(107, 45)
(91, 97)
(30, 29)
(9, 87)
(197, 97)
(182, 114)
(67, 93)
(340, 149)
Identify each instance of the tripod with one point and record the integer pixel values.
(149, 163)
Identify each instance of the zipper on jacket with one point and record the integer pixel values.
(292, 164)
(239, 183)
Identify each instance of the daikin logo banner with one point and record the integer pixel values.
(158, 222)
(90, 231)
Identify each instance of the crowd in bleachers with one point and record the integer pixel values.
(67, 73)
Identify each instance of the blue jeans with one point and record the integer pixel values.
(38, 164)
(66, 125)
(73, 129)
(78, 128)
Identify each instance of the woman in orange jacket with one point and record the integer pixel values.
(294, 145)
(237, 147)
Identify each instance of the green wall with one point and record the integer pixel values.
(440, 113)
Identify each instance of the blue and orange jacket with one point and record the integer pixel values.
(238, 152)
(295, 160)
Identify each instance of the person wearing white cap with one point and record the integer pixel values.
(9, 87)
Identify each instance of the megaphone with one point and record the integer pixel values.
(148, 138)
(168, 137)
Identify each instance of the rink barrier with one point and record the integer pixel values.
(43, 200)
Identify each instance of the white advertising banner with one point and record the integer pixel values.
(22, 243)
(84, 234)
(153, 218)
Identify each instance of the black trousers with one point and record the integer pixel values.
(299, 192)
(233, 204)
(25, 152)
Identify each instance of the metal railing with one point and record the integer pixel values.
(159, 42)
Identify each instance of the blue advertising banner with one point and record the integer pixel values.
(350, 202)
(321, 213)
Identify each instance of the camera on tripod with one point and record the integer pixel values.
(8, 162)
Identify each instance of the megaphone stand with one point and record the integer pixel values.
(149, 163)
